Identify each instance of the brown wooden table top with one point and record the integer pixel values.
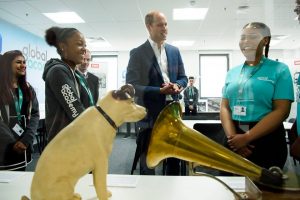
(280, 195)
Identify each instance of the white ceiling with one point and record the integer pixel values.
(121, 22)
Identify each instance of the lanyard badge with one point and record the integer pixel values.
(241, 110)
(18, 103)
(17, 128)
(243, 80)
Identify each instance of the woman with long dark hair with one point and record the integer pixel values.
(19, 107)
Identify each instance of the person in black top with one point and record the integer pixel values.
(92, 80)
(191, 97)
(19, 111)
(64, 86)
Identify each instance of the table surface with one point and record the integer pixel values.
(135, 187)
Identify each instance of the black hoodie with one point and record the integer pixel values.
(62, 101)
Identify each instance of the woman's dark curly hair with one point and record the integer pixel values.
(55, 35)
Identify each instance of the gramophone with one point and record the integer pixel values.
(171, 138)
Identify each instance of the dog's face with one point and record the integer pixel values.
(125, 106)
(132, 111)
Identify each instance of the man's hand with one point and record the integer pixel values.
(177, 88)
(170, 88)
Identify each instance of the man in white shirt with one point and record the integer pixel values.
(156, 71)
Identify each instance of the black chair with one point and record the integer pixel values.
(41, 136)
(138, 152)
(292, 136)
(215, 132)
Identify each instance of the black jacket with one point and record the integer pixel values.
(144, 73)
(62, 101)
(190, 100)
(92, 82)
(31, 112)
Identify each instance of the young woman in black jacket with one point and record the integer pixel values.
(63, 83)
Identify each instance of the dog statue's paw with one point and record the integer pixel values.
(109, 194)
(24, 198)
(76, 197)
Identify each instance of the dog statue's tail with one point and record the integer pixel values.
(24, 198)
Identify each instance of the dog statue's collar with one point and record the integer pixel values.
(112, 123)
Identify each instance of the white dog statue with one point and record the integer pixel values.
(84, 146)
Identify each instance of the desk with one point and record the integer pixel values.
(149, 188)
(146, 188)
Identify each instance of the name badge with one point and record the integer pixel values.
(191, 100)
(239, 110)
(18, 129)
(298, 94)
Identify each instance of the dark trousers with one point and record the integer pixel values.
(142, 142)
(12, 158)
(188, 111)
(171, 165)
(269, 150)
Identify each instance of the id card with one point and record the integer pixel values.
(239, 110)
(16, 125)
(18, 129)
(298, 94)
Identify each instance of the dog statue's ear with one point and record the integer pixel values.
(126, 92)
(128, 89)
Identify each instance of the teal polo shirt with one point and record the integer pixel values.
(255, 87)
(298, 105)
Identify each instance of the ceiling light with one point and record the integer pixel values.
(189, 13)
(183, 43)
(274, 42)
(244, 7)
(279, 37)
(65, 17)
(99, 44)
(96, 43)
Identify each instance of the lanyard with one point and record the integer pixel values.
(243, 80)
(18, 103)
(191, 92)
(84, 85)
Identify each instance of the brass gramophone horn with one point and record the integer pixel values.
(171, 138)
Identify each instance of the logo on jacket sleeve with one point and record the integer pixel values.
(69, 98)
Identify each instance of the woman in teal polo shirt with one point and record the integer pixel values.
(298, 105)
(257, 97)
